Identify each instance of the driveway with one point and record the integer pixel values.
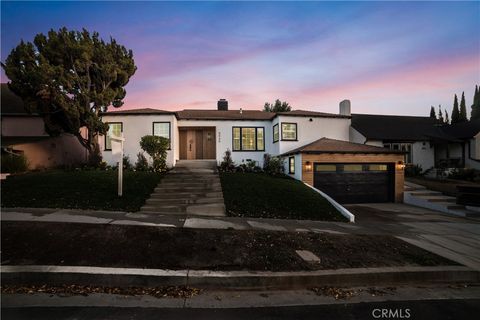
(455, 238)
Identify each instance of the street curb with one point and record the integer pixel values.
(122, 277)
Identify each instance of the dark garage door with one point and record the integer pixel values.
(354, 182)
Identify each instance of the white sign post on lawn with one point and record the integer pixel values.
(117, 153)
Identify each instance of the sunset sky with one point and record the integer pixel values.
(386, 57)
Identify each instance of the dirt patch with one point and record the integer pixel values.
(34, 243)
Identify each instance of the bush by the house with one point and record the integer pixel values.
(14, 163)
(249, 166)
(465, 174)
(156, 147)
(227, 164)
(127, 165)
(413, 170)
(142, 163)
(272, 165)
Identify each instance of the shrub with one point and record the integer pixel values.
(274, 166)
(156, 147)
(227, 165)
(464, 174)
(14, 163)
(127, 165)
(413, 170)
(142, 163)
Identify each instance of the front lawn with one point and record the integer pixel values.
(78, 190)
(262, 196)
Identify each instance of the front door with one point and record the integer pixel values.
(197, 143)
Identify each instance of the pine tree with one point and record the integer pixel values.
(463, 109)
(455, 111)
(476, 104)
(434, 115)
(440, 114)
(447, 121)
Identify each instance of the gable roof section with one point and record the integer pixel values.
(307, 113)
(224, 115)
(11, 103)
(464, 130)
(144, 111)
(326, 145)
(397, 128)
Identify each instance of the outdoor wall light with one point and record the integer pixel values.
(400, 165)
(308, 166)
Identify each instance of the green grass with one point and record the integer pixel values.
(263, 196)
(78, 190)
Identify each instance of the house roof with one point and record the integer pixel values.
(399, 128)
(225, 115)
(144, 111)
(307, 113)
(326, 145)
(463, 130)
(11, 103)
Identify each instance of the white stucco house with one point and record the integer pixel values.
(315, 146)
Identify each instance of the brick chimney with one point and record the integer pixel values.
(222, 105)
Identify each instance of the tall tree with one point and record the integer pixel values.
(278, 106)
(447, 121)
(432, 113)
(440, 114)
(455, 111)
(69, 78)
(463, 109)
(475, 113)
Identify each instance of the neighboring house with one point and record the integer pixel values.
(25, 133)
(249, 134)
(466, 152)
(426, 143)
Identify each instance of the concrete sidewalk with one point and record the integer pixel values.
(455, 238)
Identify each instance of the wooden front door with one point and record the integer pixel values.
(197, 143)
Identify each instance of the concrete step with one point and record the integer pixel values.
(425, 193)
(182, 202)
(191, 179)
(185, 195)
(439, 199)
(164, 208)
(161, 189)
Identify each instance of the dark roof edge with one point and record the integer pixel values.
(343, 152)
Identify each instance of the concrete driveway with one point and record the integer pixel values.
(455, 238)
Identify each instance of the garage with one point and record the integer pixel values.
(349, 172)
(355, 182)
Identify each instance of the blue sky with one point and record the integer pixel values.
(387, 57)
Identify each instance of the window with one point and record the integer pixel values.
(289, 131)
(406, 147)
(326, 168)
(291, 165)
(275, 133)
(248, 139)
(377, 167)
(162, 129)
(114, 129)
(352, 167)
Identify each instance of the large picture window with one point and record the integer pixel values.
(248, 139)
(162, 129)
(114, 129)
(289, 131)
(276, 134)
